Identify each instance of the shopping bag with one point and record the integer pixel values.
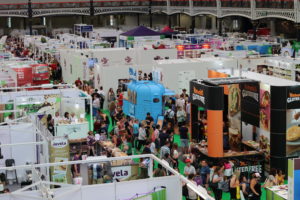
(242, 195)
(238, 195)
(77, 181)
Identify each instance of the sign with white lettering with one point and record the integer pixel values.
(250, 169)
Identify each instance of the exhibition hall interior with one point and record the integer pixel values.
(149, 100)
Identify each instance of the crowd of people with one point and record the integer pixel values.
(145, 137)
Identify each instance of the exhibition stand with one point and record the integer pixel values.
(281, 67)
(226, 104)
(49, 101)
(280, 116)
(259, 122)
(22, 143)
(162, 188)
(140, 33)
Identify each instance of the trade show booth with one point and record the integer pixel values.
(144, 187)
(50, 101)
(140, 33)
(222, 104)
(259, 124)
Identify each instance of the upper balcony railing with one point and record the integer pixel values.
(54, 4)
(253, 9)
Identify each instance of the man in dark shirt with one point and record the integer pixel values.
(184, 138)
(147, 149)
(164, 137)
(149, 118)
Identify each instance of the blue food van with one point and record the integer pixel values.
(144, 97)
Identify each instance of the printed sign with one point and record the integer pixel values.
(250, 169)
(197, 94)
(60, 152)
(121, 172)
(293, 97)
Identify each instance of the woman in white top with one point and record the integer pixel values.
(142, 136)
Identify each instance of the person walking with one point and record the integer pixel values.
(184, 138)
(216, 180)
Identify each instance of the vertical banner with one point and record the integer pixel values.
(60, 152)
(234, 117)
(293, 121)
(264, 120)
(250, 103)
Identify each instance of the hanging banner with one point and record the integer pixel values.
(60, 152)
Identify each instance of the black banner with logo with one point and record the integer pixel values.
(197, 93)
(207, 96)
(250, 103)
(293, 97)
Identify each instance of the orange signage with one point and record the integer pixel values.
(199, 92)
(294, 95)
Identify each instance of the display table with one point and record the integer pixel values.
(73, 131)
(250, 144)
(277, 192)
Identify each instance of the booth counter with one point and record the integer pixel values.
(73, 131)
(277, 192)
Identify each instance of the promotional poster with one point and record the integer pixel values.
(234, 117)
(60, 152)
(38, 104)
(264, 122)
(293, 132)
(293, 121)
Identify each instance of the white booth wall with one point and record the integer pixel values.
(73, 61)
(177, 73)
(111, 191)
(18, 133)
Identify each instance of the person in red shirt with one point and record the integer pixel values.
(120, 98)
(78, 82)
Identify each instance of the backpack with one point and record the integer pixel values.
(198, 180)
